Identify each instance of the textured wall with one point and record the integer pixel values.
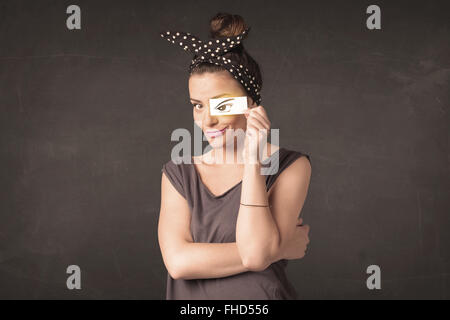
(86, 117)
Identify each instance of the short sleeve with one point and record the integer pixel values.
(307, 157)
(175, 175)
(285, 160)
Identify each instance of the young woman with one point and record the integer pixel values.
(225, 230)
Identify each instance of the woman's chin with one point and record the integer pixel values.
(217, 142)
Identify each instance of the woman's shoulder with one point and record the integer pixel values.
(292, 164)
(176, 171)
(178, 161)
(290, 155)
(176, 166)
(295, 163)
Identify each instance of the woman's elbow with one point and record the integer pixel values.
(256, 262)
(174, 274)
(257, 258)
(175, 268)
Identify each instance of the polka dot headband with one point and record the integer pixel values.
(212, 51)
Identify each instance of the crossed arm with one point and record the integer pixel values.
(184, 258)
(269, 230)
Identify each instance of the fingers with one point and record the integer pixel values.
(307, 233)
(252, 130)
(257, 123)
(261, 111)
(252, 121)
(303, 231)
(258, 116)
(264, 122)
(306, 228)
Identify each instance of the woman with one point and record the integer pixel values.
(225, 230)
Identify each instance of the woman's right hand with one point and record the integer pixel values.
(296, 247)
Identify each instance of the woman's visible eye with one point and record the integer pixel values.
(224, 107)
(197, 104)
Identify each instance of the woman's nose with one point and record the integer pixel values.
(208, 119)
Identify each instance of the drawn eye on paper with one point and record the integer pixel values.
(227, 106)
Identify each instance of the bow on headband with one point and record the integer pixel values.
(213, 51)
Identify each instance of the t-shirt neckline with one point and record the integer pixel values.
(233, 187)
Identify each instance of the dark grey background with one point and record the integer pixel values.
(86, 118)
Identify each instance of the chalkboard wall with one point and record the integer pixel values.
(86, 117)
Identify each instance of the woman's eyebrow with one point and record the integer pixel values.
(216, 97)
(225, 101)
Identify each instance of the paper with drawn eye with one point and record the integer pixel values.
(226, 106)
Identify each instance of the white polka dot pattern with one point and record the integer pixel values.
(212, 51)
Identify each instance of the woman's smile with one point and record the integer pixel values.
(215, 133)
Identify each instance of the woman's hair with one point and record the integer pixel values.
(229, 25)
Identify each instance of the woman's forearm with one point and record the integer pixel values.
(256, 231)
(209, 260)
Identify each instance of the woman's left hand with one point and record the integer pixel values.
(258, 126)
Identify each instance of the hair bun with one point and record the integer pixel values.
(226, 25)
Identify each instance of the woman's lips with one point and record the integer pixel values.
(215, 133)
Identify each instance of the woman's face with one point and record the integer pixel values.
(203, 87)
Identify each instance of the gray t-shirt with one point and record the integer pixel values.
(213, 220)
